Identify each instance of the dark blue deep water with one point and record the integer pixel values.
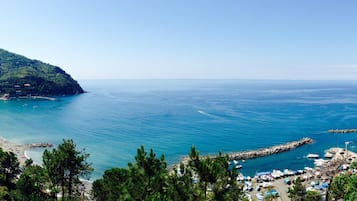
(115, 117)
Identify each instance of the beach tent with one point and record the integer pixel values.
(287, 181)
(259, 174)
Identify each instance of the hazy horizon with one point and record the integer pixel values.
(254, 40)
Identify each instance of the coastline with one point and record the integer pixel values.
(18, 149)
(6, 98)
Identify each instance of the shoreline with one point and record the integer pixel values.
(323, 171)
(20, 150)
(7, 98)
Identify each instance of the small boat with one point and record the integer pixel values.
(235, 162)
(328, 155)
(312, 156)
(238, 166)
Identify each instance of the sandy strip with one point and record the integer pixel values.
(17, 149)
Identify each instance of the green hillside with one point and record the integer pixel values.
(20, 76)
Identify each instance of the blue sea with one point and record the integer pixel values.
(115, 117)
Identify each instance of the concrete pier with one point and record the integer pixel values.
(342, 131)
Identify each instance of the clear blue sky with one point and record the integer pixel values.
(238, 39)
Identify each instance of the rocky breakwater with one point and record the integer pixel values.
(260, 152)
(342, 131)
(269, 151)
(39, 145)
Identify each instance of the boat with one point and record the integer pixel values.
(328, 155)
(238, 166)
(235, 162)
(312, 156)
(319, 162)
(5, 97)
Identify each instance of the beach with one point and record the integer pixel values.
(18, 149)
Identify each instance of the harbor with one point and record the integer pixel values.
(276, 182)
(317, 178)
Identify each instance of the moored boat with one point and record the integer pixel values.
(312, 156)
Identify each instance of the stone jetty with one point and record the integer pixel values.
(39, 145)
(261, 152)
(342, 131)
(269, 151)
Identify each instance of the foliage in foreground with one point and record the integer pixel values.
(148, 179)
(344, 187)
(62, 168)
(299, 193)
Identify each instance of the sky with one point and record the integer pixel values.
(186, 39)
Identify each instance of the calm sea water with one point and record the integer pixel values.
(115, 117)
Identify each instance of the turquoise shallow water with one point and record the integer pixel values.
(116, 116)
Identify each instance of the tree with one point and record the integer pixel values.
(353, 165)
(144, 180)
(313, 196)
(32, 184)
(225, 186)
(65, 165)
(154, 172)
(338, 186)
(298, 191)
(215, 172)
(9, 168)
(181, 185)
(148, 179)
(351, 190)
(112, 186)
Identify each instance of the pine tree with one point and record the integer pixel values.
(65, 165)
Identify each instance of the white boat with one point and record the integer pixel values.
(238, 166)
(319, 162)
(328, 155)
(312, 156)
(235, 162)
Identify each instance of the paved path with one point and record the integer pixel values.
(282, 189)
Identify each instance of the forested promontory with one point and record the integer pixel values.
(20, 76)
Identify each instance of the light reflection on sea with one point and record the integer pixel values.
(116, 116)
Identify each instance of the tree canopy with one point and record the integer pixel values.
(148, 179)
(65, 165)
(344, 187)
(20, 76)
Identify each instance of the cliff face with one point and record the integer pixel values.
(20, 76)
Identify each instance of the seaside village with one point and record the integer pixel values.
(275, 184)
